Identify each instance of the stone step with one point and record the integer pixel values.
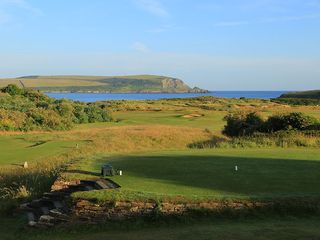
(56, 195)
(88, 182)
(31, 217)
(42, 203)
(58, 204)
(53, 207)
(89, 188)
(44, 210)
(100, 184)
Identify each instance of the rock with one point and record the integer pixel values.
(31, 217)
(32, 224)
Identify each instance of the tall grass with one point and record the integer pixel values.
(280, 139)
(25, 184)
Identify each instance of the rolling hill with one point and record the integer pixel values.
(118, 84)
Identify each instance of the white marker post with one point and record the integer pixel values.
(236, 168)
(120, 172)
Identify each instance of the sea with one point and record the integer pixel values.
(93, 97)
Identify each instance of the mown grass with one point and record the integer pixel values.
(277, 228)
(210, 174)
(15, 150)
(208, 120)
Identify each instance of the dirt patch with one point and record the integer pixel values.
(192, 115)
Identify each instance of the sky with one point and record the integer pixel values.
(212, 44)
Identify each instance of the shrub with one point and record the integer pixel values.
(12, 89)
(295, 121)
(25, 109)
(240, 124)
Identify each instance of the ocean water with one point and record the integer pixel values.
(93, 97)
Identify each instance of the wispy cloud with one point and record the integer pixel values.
(22, 4)
(153, 7)
(7, 8)
(140, 47)
(231, 23)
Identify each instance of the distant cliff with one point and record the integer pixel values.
(97, 84)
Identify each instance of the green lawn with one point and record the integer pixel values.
(242, 229)
(20, 148)
(203, 174)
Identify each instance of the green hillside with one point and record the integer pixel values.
(314, 94)
(119, 84)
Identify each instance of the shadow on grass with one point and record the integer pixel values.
(17, 165)
(265, 177)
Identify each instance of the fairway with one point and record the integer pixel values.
(210, 174)
(15, 150)
(212, 120)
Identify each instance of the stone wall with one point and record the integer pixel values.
(90, 211)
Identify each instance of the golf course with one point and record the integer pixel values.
(171, 152)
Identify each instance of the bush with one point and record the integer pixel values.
(25, 109)
(12, 90)
(291, 121)
(241, 124)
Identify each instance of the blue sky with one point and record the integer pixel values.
(213, 44)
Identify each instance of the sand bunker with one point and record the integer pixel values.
(193, 115)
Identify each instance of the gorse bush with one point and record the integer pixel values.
(25, 110)
(247, 124)
(241, 124)
(295, 121)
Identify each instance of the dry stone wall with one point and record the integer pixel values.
(90, 211)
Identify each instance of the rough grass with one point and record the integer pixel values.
(281, 139)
